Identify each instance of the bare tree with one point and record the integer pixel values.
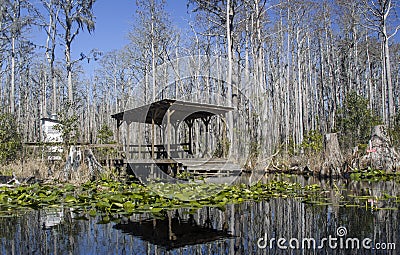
(149, 42)
(53, 11)
(75, 16)
(378, 14)
(13, 28)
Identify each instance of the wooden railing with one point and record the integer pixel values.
(180, 150)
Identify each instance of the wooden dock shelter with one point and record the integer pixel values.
(167, 153)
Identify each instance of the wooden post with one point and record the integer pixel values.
(175, 140)
(206, 122)
(168, 133)
(152, 137)
(189, 123)
(224, 139)
(128, 140)
(140, 141)
(117, 133)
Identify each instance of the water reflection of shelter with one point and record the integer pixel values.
(173, 232)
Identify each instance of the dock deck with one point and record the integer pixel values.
(195, 166)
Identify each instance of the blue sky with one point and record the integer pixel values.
(114, 18)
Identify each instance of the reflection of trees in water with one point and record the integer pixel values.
(288, 218)
(47, 231)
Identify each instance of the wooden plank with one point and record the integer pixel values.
(151, 161)
(203, 167)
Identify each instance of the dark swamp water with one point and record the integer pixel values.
(275, 226)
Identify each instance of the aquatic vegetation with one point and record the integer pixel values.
(110, 197)
(374, 175)
(107, 198)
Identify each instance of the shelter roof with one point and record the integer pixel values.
(180, 110)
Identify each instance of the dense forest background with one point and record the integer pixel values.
(319, 66)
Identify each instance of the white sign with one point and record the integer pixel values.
(50, 133)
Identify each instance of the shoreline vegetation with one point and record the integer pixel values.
(346, 182)
(318, 155)
(343, 177)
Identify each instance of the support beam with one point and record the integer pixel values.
(152, 138)
(206, 122)
(119, 123)
(189, 123)
(175, 125)
(168, 133)
(128, 140)
(224, 138)
(140, 141)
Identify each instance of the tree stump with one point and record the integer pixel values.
(333, 159)
(380, 153)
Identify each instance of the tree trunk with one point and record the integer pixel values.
(380, 153)
(332, 156)
(229, 17)
(12, 90)
(69, 72)
(388, 79)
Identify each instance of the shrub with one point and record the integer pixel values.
(10, 139)
(312, 142)
(105, 134)
(354, 121)
(394, 131)
(69, 128)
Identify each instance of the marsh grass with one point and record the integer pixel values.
(54, 171)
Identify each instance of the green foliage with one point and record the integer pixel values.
(354, 121)
(109, 197)
(10, 139)
(312, 142)
(373, 175)
(292, 147)
(105, 134)
(185, 175)
(394, 131)
(69, 128)
(112, 198)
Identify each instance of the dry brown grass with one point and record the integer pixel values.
(26, 169)
(43, 170)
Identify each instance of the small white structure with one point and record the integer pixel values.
(50, 134)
